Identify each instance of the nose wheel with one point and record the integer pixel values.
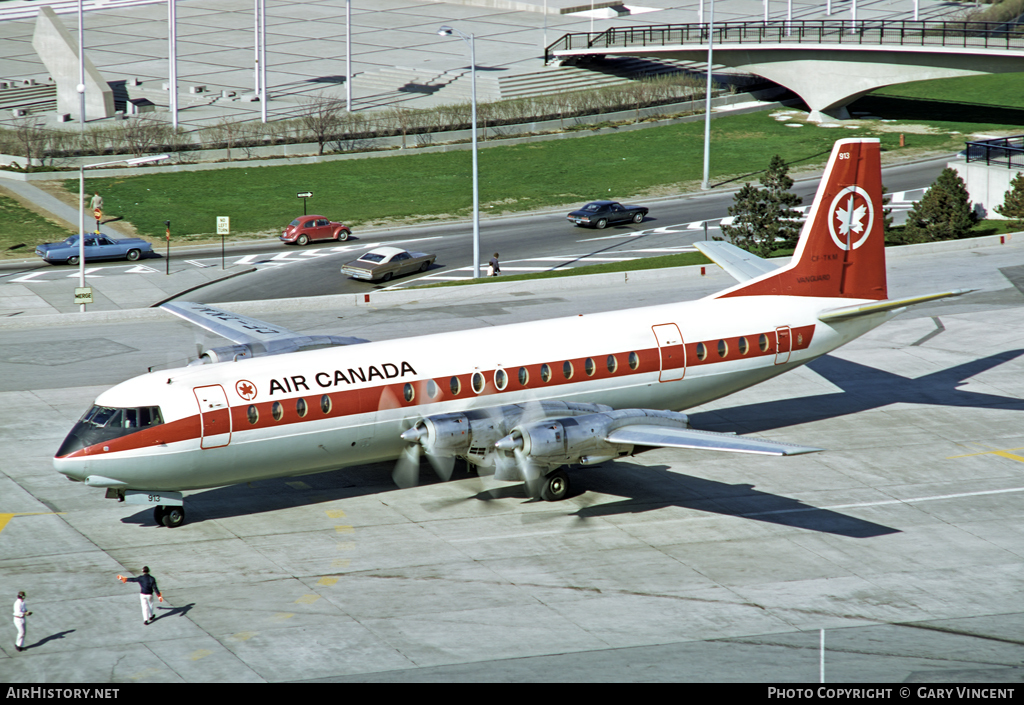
(169, 516)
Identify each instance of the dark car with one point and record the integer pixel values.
(598, 214)
(96, 247)
(384, 263)
(310, 228)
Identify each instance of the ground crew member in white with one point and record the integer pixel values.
(147, 587)
(20, 612)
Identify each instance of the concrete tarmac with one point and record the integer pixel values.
(901, 542)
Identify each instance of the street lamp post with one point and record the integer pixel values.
(447, 31)
(707, 104)
(82, 166)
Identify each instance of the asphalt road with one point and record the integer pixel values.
(529, 242)
(546, 240)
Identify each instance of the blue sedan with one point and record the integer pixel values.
(97, 247)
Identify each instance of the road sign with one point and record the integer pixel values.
(304, 194)
(83, 295)
(97, 214)
(223, 225)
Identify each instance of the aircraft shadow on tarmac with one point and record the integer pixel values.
(864, 388)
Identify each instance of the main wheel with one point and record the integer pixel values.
(342, 235)
(174, 516)
(303, 240)
(387, 277)
(601, 224)
(158, 515)
(425, 266)
(133, 255)
(73, 260)
(638, 218)
(556, 486)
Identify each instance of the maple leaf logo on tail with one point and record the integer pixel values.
(851, 216)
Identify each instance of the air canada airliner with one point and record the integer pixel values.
(522, 402)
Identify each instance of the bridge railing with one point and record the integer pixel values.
(1005, 151)
(983, 35)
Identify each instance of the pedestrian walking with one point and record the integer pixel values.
(96, 202)
(147, 588)
(20, 613)
(493, 269)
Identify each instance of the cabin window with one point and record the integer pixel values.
(408, 392)
(723, 348)
(325, 403)
(545, 373)
(277, 410)
(744, 346)
(590, 367)
(500, 379)
(524, 376)
(478, 382)
(613, 364)
(300, 407)
(253, 414)
(567, 369)
(634, 361)
(702, 352)
(762, 343)
(432, 389)
(454, 385)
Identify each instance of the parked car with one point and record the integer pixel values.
(310, 228)
(97, 247)
(384, 263)
(598, 214)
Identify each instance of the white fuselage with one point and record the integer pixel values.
(324, 409)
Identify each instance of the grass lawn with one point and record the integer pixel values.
(20, 226)
(935, 116)
(681, 260)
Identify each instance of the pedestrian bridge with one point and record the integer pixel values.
(828, 63)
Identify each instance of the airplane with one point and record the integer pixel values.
(522, 402)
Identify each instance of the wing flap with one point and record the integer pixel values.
(739, 264)
(667, 437)
(847, 312)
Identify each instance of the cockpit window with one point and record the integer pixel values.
(109, 417)
(105, 423)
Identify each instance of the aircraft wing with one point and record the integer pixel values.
(254, 337)
(846, 312)
(739, 264)
(667, 437)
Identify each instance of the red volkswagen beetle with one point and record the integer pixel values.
(310, 228)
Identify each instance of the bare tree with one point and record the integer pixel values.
(141, 134)
(29, 140)
(321, 116)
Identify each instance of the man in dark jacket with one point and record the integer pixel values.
(147, 588)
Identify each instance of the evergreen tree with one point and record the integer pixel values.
(764, 219)
(1013, 201)
(943, 213)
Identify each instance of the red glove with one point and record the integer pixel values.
(122, 579)
(160, 597)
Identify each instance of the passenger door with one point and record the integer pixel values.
(672, 351)
(214, 416)
(783, 344)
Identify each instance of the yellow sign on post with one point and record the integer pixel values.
(83, 295)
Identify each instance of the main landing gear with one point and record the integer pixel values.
(169, 516)
(554, 487)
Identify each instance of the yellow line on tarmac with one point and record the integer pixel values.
(5, 518)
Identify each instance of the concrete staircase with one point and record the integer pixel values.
(32, 98)
(391, 86)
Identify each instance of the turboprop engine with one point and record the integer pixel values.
(585, 440)
(472, 435)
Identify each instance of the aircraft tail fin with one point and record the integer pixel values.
(841, 251)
